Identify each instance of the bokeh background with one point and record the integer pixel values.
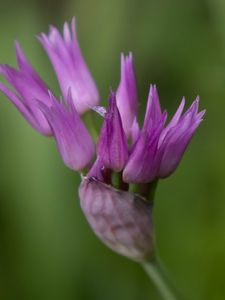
(47, 250)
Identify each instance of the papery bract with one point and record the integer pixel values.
(121, 220)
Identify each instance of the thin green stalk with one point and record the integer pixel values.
(156, 275)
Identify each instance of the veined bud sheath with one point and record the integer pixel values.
(122, 220)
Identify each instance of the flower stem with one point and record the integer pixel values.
(154, 272)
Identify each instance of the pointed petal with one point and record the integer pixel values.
(28, 87)
(135, 131)
(112, 146)
(177, 114)
(21, 58)
(23, 109)
(70, 67)
(25, 84)
(153, 110)
(143, 163)
(27, 92)
(174, 150)
(126, 95)
(189, 117)
(98, 171)
(173, 121)
(73, 139)
(177, 140)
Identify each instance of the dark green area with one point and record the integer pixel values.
(47, 250)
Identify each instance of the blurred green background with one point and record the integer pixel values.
(47, 250)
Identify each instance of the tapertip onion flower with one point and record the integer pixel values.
(120, 173)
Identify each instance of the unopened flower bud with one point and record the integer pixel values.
(122, 220)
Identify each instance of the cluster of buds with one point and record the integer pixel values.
(119, 174)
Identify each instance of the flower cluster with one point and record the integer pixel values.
(126, 154)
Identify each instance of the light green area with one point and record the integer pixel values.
(47, 250)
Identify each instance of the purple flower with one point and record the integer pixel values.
(176, 136)
(70, 67)
(158, 151)
(117, 191)
(27, 86)
(73, 139)
(126, 95)
(121, 219)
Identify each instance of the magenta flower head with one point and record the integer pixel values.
(159, 149)
(117, 188)
(70, 67)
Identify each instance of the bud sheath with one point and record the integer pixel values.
(121, 220)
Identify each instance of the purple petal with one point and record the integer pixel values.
(153, 110)
(121, 220)
(188, 118)
(26, 69)
(27, 86)
(99, 172)
(135, 131)
(173, 121)
(73, 139)
(22, 109)
(177, 140)
(70, 67)
(112, 145)
(144, 160)
(126, 95)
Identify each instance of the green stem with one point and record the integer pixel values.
(155, 274)
(146, 190)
